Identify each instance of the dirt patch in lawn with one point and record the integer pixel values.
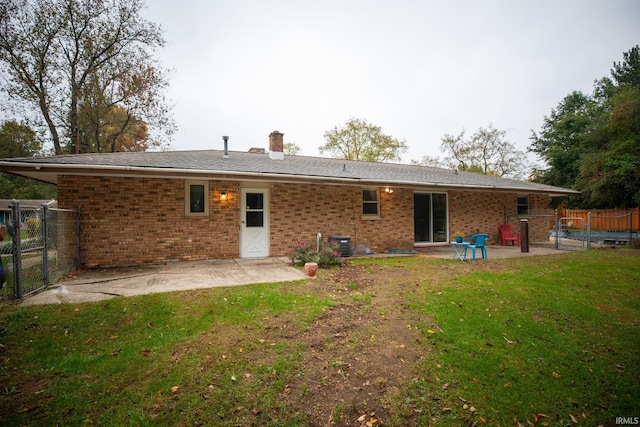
(359, 353)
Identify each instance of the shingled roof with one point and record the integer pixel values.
(248, 166)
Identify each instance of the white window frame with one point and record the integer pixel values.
(376, 202)
(187, 198)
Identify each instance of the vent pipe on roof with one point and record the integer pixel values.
(226, 147)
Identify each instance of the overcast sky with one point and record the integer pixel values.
(418, 69)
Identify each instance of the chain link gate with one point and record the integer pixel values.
(44, 247)
(570, 233)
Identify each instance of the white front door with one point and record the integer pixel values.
(254, 223)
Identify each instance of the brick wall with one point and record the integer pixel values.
(394, 229)
(299, 212)
(475, 212)
(539, 221)
(131, 221)
(472, 212)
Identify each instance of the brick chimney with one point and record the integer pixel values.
(276, 145)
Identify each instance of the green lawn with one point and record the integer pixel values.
(547, 340)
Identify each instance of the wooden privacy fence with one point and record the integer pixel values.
(621, 220)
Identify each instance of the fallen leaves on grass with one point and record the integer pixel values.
(539, 417)
(364, 422)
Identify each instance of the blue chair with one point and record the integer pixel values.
(478, 242)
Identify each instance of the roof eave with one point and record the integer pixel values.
(49, 173)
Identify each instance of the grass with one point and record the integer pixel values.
(554, 339)
(530, 341)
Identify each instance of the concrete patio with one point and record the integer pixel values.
(511, 251)
(104, 283)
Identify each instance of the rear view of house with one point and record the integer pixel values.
(150, 207)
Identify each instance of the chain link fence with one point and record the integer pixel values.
(610, 227)
(42, 247)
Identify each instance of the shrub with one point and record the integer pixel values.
(325, 255)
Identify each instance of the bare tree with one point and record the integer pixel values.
(432, 161)
(58, 56)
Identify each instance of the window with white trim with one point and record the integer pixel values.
(196, 198)
(370, 203)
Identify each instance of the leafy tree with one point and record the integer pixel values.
(487, 152)
(291, 148)
(360, 140)
(560, 142)
(113, 129)
(627, 72)
(592, 143)
(74, 61)
(19, 140)
(610, 165)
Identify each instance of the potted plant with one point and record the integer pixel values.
(311, 266)
(309, 255)
(459, 235)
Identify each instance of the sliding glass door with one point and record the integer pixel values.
(430, 217)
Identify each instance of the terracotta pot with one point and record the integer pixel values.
(310, 268)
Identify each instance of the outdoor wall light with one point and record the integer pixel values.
(388, 190)
(223, 196)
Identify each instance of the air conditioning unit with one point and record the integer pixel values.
(344, 243)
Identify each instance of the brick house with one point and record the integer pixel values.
(154, 207)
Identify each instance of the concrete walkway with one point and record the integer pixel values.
(99, 284)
